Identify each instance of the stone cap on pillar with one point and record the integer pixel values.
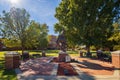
(116, 52)
(12, 53)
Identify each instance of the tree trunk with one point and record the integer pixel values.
(22, 49)
(22, 46)
(88, 51)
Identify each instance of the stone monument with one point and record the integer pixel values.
(61, 42)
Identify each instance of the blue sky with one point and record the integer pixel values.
(41, 11)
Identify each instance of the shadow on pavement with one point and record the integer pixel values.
(90, 65)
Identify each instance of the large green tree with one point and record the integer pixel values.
(116, 36)
(14, 25)
(87, 22)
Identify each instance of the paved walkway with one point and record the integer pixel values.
(82, 75)
(95, 67)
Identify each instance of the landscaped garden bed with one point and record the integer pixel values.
(64, 69)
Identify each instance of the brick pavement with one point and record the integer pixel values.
(82, 74)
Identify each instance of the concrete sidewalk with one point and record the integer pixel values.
(82, 76)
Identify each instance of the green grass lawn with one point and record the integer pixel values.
(53, 53)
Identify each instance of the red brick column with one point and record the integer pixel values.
(12, 60)
(116, 59)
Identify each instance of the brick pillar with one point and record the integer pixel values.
(12, 60)
(116, 59)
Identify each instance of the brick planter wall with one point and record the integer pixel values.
(116, 59)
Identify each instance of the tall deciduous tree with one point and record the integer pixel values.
(14, 24)
(116, 35)
(37, 35)
(87, 22)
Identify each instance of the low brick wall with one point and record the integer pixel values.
(116, 59)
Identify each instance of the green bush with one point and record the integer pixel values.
(107, 53)
(116, 47)
(92, 48)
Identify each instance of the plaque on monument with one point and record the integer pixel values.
(67, 59)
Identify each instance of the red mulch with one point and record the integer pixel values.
(65, 66)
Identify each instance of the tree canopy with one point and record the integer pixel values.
(16, 26)
(37, 35)
(116, 35)
(87, 22)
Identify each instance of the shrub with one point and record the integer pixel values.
(116, 47)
